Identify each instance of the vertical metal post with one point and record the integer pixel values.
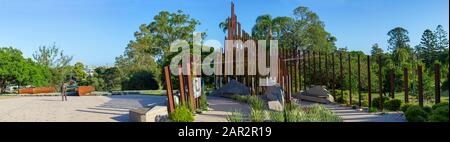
(359, 81)
(170, 105)
(304, 69)
(314, 69)
(341, 78)
(333, 84)
(380, 81)
(419, 72)
(350, 78)
(392, 89)
(369, 83)
(190, 87)
(437, 83)
(181, 78)
(406, 84)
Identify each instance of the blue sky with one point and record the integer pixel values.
(97, 31)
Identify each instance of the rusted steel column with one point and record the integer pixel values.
(326, 70)
(294, 73)
(437, 83)
(419, 72)
(380, 81)
(190, 88)
(304, 69)
(405, 84)
(359, 81)
(369, 83)
(350, 78)
(309, 69)
(170, 104)
(299, 61)
(320, 70)
(314, 69)
(333, 84)
(391, 81)
(341, 78)
(181, 78)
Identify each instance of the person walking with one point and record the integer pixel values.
(63, 91)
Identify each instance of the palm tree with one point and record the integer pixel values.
(224, 25)
(268, 28)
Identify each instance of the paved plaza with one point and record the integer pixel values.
(76, 109)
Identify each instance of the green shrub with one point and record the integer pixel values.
(276, 116)
(315, 113)
(427, 109)
(242, 98)
(256, 103)
(181, 114)
(393, 104)
(373, 109)
(319, 113)
(257, 115)
(416, 114)
(364, 103)
(235, 116)
(405, 107)
(439, 114)
(203, 103)
(439, 105)
(340, 99)
(376, 102)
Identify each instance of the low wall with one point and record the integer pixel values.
(37, 90)
(85, 90)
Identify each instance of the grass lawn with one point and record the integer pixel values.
(398, 95)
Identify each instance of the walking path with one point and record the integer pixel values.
(351, 115)
(220, 108)
(76, 109)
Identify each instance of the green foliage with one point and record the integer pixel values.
(427, 109)
(393, 104)
(181, 114)
(405, 107)
(444, 104)
(416, 114)
(376, 102)
(78, 70)
(439, 113)
(142, 80)
(256, 103)
(373, 109)
(54, 59)
(16, 70)
(110, 76)
(257, 115)
(276, 116)
(315, 113)
(235, 116)
(203, 103)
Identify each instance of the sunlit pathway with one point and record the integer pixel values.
(351, 115)
(219, 109)
(77, 109)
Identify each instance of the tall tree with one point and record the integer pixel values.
(427, 49)
(54, 58)
(399, 45)
(398, 38)
(441, 38)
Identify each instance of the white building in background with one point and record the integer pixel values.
(89, 70)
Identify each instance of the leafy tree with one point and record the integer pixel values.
(149, 52)
(54, 59)
(427, 49)
(79, 72)
(398, 38)
(16, 70)
(441, 38)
